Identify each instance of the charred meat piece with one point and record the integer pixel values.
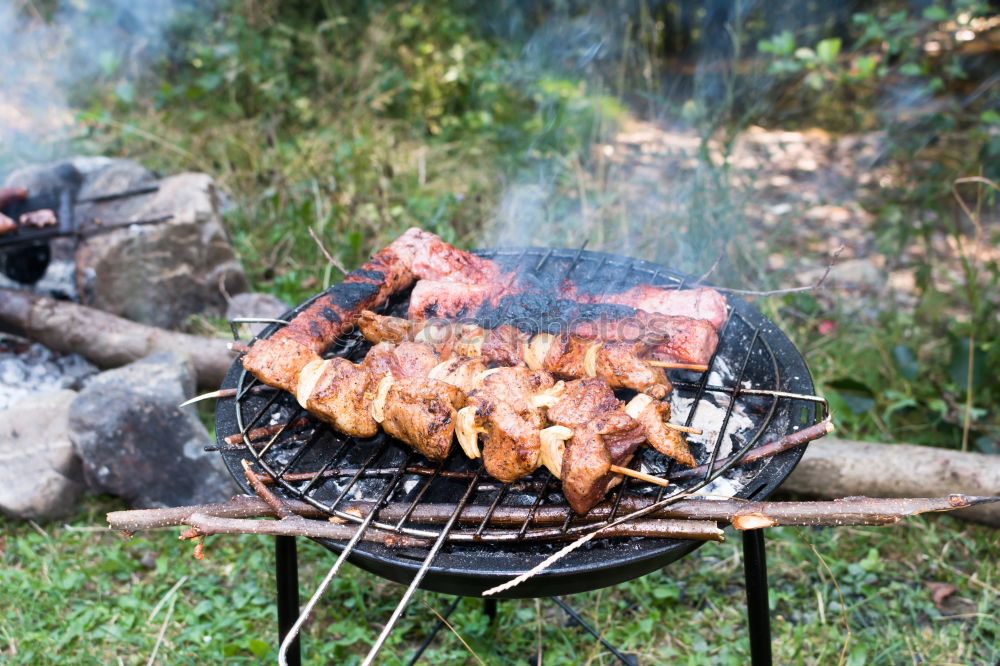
(339, 395)
(430, 258)
(652, 415)
(277, 360)
(460, 371)
(43, 217)
(380, 328)
(566, 356)
(619, 364)
(516, 387)
(701, 303)
(504, 345)
(421, 412)
(511, 447)
(586, 466)
(407, 359)
(583, 401)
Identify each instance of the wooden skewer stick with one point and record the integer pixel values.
(672, 365)
(642, 476)
(680, 428)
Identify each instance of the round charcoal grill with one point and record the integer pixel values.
(757, 390)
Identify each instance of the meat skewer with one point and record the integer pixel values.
(567, 356)
(421, 255)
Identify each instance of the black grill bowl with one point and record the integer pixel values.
(759, 358)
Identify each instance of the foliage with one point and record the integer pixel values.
(75, 594)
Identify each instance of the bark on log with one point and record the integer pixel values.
(834, 467)
(104, 339)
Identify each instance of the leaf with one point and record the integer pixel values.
(865, 67)
(805, 53)
(815, 81)
(990, 116)
(958, 369)
(906, 361)
(827, 50)
(935, 13)
(856, 395)
(911, 69)
(259, 648)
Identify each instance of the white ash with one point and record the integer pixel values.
(28, 368)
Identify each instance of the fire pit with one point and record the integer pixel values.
(479, 532)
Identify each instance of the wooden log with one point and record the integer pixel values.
(104, 339)
(834, 467)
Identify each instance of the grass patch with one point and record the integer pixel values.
(75, 592)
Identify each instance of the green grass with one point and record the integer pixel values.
(76, 593)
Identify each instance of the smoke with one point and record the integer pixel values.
(52, 63)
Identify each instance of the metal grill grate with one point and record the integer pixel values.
(757, 389)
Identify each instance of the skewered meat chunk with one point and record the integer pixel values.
(277, 360)
(421, 412)
(617, 363)
(586, 464)
(407, 359)
(700, 303)
(460, 371)
(43, 217)
(581, 402)
(517, 387)
(339, 396)
(381, 328)
(503, 345)
(511, 447)
(653, 414)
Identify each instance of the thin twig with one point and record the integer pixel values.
(793, 290)
(445, 622)
(710, 271)
(280, 509)
(329, 257)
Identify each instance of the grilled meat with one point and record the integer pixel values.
(460, 371)
(582, 402)
(653, 414)
(421, 412)
(339, 395)
(700, 303)
(43, 217)
(9, 195)
(618, 363)
(7, 225)
(586, 464)
(511, 446)
(517, 387)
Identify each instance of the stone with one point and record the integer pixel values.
(137, 443)
(161, 274)
(40, 473)
(253, 305)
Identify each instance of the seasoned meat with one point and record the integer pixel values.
(421, 413)
(701, 303)
(582, 402)
(668, 442)
(515, 387)
(684, 340)
(460, 371)
(619, 364)
(511, 447)
(339, 398)
(566, 356)
(586, 467)
(277, 360)
(7, 225)
(407, 359)
(380, 328)
(430, 258)
(43, 217)
(503, 345)
(432, 299)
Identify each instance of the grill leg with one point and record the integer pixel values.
(490, 609)
(758, 611)
(286, 574)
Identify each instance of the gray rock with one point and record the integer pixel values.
(136, 443)
(114, 176)
(160, 274)
(40, 475)
(256, 306)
